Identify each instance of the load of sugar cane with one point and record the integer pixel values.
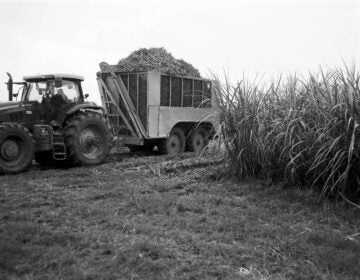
(157, 59)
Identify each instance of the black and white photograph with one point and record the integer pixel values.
(179, 139)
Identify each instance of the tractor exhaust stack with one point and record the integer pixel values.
(10, 86)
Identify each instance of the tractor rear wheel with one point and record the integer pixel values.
(16, 148)
(197, 140)
(174, 144)
(87, 139)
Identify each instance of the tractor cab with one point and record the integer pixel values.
(66, 88)
(53, 94)
(45, 98)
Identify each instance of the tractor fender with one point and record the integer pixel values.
(85, 107)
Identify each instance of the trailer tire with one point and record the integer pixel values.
(16, 148)
(197, 140)
(174, 144)
(87, 139)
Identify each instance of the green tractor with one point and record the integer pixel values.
(51, 123)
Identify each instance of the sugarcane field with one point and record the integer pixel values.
(191, 140)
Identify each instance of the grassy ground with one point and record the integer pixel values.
(157, 218)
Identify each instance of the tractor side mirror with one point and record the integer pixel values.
(15, 95)
(86, 95)
(58, 82)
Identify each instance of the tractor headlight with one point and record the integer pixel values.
(42, 131)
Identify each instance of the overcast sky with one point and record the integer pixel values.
(236, 36)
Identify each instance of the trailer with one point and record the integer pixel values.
(148, 109)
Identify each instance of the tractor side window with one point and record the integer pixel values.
(36, 91)
(69, 91)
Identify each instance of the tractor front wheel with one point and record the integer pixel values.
(87, 139)
(16, 148)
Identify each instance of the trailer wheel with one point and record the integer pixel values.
(87, 139)
(174, 144)
(16, 148)
(197, 140)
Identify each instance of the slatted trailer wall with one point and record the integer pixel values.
(148, 104)
(136, 85)
(185, 92)
(175, 91)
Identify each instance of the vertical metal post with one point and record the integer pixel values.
(128, 83)
(182, 91)
(137, 92)
(192, 94)
(170, 91)
(202, 94)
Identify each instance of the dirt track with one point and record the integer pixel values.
(152, 217)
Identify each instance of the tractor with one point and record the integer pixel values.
(51, 123)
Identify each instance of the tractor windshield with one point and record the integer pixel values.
(37, 90)
(69, 91)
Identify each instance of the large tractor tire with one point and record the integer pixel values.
(174, 144)
(87, 139)
(16, 148)
(197, 140)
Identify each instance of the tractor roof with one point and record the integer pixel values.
(34, 78)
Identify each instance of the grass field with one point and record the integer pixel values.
(153, 217)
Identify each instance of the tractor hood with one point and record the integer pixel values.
(12, 111)
(9, 105)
